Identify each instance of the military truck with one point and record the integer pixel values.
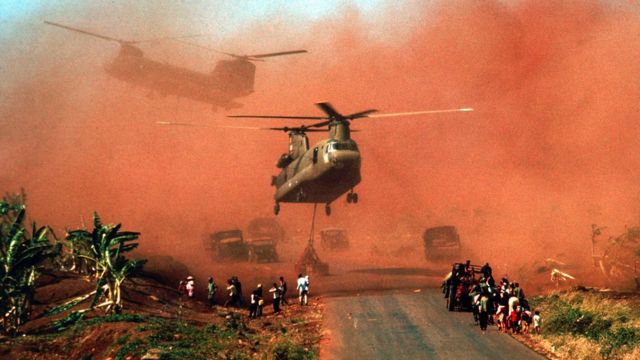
(228, 245)
(334, 239)
(441, 243)
(458, 284)
(265, 228)
(262, 250)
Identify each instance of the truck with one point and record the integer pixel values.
(228, 245)
(441, 243)
(265, 228)
(334, 239)
(262, 250)
(458, 284)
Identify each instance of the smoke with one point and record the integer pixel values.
(547, 151)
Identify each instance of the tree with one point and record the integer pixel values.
(21, 255)
(105, 246)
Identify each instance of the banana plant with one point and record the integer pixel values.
(21, 255)
(105, 246)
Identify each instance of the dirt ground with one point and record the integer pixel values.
(157, 323)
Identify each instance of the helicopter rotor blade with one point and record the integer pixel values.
(281, 53)
(205, 47)
(329, 110)
(277, 117)
(285, 128)
(361, 114)
(85, 32)
(320, 124)
(164, 38)
(420, 112)
(172, 123)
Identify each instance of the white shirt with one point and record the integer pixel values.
(536, 320)
(302, 284)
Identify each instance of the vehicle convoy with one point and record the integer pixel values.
(334, 239)
(458, 284)
(441, 243)
(230, 245)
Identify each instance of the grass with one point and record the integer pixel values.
(583, 324)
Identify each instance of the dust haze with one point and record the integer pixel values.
(549, 150)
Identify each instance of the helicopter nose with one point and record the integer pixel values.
(345, 158)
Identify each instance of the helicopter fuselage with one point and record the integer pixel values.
(217, 88)
(322, 174)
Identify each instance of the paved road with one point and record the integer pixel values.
(410, 326)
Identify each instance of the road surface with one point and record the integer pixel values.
(407, 325)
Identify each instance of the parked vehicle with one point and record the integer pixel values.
(228, 245)
(262, 250)
(265, 228)
(441, 243)
(334, 239)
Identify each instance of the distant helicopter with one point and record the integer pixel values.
(330, 168)
(229, 79)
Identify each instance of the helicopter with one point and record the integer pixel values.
(329, 169)
(229, 79)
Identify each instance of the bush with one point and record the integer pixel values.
(290, 351)
(618, 340)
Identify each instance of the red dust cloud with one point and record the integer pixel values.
(549, 150)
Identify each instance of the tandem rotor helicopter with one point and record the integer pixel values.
(229, 79)
(329, 169)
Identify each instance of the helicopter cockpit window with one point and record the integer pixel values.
(343, 146)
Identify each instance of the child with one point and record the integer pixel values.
(537, 322)
(514, 320)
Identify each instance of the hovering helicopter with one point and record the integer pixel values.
(330, 168)
(229, 79)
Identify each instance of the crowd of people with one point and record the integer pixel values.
(503, 304)
(278, 292)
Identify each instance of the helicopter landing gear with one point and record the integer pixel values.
(276, 209)
(327, 209)
(352, 197)
(300, 196)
